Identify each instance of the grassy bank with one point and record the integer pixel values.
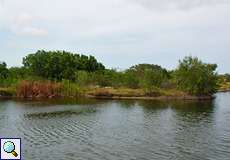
(224, 87)
(127, 93)
(48, 89)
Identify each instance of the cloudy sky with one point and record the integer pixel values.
(119, 33)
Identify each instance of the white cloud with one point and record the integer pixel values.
(23, 24)
(23, 19)
(177, 4)
(110, 29)
(32, 31)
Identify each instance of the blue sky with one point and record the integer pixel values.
(119, 33)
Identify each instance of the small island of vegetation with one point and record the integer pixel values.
(48, 74)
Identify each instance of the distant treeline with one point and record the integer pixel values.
(191, 76)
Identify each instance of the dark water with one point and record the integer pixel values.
(119, 130)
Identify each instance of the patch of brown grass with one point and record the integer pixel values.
(225, 86)
(128, 92)
(173, 93)
(119, 92)
(38, 89)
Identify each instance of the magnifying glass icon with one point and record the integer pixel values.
(9, 147)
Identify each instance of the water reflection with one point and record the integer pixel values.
(113, 129)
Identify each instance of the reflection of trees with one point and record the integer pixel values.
(193, 111)
(127, 103)
(153, 104)
(180, 107)
(60, 101)
(194, 128)
(183, 114)
(185, 126)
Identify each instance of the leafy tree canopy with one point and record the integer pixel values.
(60, 64)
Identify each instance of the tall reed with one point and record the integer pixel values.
(38, 89)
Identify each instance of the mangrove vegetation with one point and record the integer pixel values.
(61, 73)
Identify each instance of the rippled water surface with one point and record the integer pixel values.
(119, 130)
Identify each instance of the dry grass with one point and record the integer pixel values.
(120, 92)
(128, 92)
(225, 86)
(39, 89)
(173, 93)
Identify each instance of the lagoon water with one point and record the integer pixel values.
(119, 129)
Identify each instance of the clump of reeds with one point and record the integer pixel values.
(38, 89)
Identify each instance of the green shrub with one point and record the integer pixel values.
(196, 77)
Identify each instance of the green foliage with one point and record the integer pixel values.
(148, 75)
(77, 72)
(4, 72)
(70, 89)
(196, 77)
(130, 79)
(82, 78)
(142, 75)
(101, 78)
(19, 72)
(108, 78)
(60, 64)
(5, 79)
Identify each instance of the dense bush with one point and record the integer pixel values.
(60, 64)
(148, 75)
(19, 72)
(196, 77)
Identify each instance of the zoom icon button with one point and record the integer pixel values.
(10, 148)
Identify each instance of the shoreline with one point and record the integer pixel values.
(119, 97)
(225, 90)
(115, 95)
(154, 98)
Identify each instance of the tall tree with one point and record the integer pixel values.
(60, 64)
